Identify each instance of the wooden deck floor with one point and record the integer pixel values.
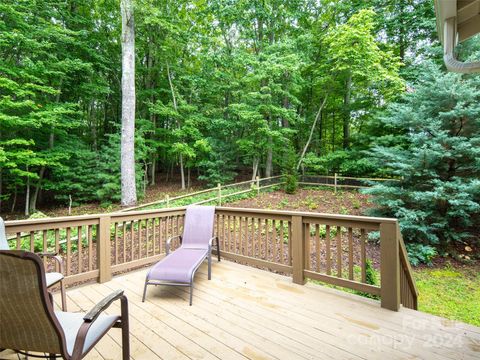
(245, 313)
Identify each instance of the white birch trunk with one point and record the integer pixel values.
(129, 192)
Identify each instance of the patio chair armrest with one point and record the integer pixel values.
(55, 257)
(93, 314)
(169, 240)
(102, 306)
(210, 242)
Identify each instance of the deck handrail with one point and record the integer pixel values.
(330, 248)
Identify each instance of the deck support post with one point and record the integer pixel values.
(298, 250)
(103, 250)
(389, 266)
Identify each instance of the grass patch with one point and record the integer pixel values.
(453, 293)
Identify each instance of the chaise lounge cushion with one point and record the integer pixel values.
(178, 266)
(198, 227)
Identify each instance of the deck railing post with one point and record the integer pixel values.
(389, 266)
(298, 250)
(103, 250)
(219, 187)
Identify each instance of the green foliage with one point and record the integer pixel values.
(421, 254)
(291, 183)
(438, 198)
(348, 163)
(95, 176)
(370, 273)
(223, 88)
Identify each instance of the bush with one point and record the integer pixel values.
(371, 278)
(420, 254)
(291, 183)
(370, 273)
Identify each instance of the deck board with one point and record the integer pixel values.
(246, 313)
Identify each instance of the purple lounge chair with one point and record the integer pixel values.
(179, 267)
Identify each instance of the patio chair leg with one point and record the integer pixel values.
(210, 266)
(144, 291)
(125, 329)
(191, 293)
(218, 248)
(64, 297)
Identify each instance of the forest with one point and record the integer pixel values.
(229, 89)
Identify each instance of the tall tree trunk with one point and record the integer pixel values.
(346, 112)
(27, 197)
(129, 191)
(41, 174)
(174, 99)
(14, 202)
(255, 168)
(312, 129)
(153, 169)
(333, 131)
(268, 165)
(182, 172)
(402, 33)
(153, 118)
(320, 133)
(286, 105)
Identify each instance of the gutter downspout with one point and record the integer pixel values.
(449, 42)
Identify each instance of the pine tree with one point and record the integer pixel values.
(437, 159)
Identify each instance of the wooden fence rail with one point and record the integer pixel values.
(324, 247)
(251, 185)
(340, 182)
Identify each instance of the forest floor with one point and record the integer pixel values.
(311, 200)
(153, 193)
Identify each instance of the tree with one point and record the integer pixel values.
(360, 67)
(129, 192)
(436, 159)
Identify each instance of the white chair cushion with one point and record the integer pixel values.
(53, 278)
(71, 323)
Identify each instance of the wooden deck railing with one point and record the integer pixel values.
(324, 247)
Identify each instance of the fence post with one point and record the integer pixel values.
(167, 200)
(258, 185)
(298, 250)
(335, 182)
(103, 250)
(389, 266)
(219, 186)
